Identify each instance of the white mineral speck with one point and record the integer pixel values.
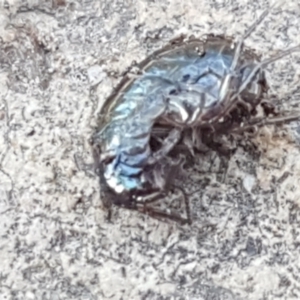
(248, 183)
(95, 74)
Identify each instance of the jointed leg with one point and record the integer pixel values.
(235, 98)
(262, 121)
(160, 214)
(171, 140)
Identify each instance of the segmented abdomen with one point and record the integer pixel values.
(177, 85)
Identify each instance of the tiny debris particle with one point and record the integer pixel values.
(95, 74)
(248, 183)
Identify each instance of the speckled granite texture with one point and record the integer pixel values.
(59, 60)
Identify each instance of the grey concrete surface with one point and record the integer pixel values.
(59, 60)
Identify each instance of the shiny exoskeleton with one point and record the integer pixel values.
(190, 88)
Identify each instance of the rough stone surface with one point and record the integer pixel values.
(59, 60)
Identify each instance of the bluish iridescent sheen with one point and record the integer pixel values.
(179, 86)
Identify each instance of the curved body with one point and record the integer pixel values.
(187, 84)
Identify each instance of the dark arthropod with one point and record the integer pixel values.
(187, 92)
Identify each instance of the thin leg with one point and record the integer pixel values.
(234, 99)
(264, 63)
(160, 214)
(142, 207)
(240, 43)
(236, 56)
(171, 140)
(259, 122)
